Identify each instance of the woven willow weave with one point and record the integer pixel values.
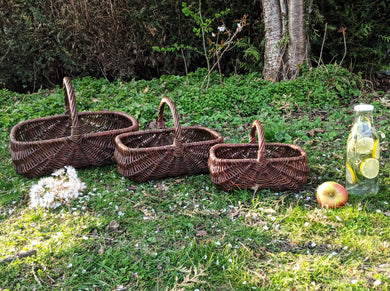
(164, 152)
(258, 165)
(41, 146)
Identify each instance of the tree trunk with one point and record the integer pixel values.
(273, 34)
(285, 38)
(297, 47)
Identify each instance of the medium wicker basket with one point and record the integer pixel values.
(258, 165)
(43, 145)
(164, 152)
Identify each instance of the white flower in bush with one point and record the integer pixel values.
(61, 188)
(221, 28)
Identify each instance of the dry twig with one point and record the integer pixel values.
(18, 256)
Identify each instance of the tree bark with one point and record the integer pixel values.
(297, 48)
(273, 34)
(285, 39)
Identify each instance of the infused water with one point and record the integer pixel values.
(363, 153)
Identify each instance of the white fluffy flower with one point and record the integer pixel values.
(62, 187)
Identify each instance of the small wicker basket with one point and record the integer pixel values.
(258, 165)
(43, 145)
(164, 152)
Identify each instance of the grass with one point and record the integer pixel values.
(184, 233)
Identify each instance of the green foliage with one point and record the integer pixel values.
(204, 25)
(330, 84)
(32, 55)
(174, 48)
(184, 232)
(214, 43)
(41, 43)
(252, 58)
(367, 32)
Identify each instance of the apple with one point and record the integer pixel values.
(331, 195)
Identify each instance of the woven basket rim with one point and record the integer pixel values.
(85, 113)
(120, 144)
(302, 153)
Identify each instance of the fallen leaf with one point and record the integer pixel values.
(132, 188)
(313, 132)
(113, 226)
(101, 250)
(232, 213)
(152, 124)
(201, 233)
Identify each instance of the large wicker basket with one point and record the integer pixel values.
(258, 165)
(164, 152)
(40, 146)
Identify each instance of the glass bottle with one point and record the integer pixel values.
(363, 153)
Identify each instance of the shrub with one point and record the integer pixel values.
(42, 41)
(367, 34)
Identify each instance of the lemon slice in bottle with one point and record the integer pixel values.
(376, 152)
(369, 168)
(350, 176)
(364, 145)
(350, 144)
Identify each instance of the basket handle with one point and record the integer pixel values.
(177, 142)
(256, 127)
(70, 104)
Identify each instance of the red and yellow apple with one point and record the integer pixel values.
(331, 195)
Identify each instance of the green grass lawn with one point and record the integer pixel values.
(184, 233)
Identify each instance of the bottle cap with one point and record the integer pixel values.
(363, 107)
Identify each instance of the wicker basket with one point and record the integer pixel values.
(258, 165)
(40, 146)
(164, 152)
